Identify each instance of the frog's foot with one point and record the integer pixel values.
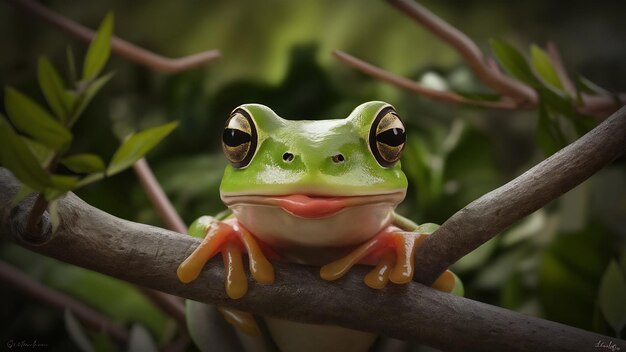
(392, 252)
(230, 239)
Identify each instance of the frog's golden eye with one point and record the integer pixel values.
(387, 137)
(239, 139)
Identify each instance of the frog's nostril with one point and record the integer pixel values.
(338, 158)
(288, 157)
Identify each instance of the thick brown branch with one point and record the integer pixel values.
(495, 211)
(119, 46)
(149, 256)
(469, 50)
(91, 318)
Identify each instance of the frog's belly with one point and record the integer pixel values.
(281, 229)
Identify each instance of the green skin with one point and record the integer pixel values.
(314, 143)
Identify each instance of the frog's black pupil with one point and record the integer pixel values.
(234, 137)
(392, 137)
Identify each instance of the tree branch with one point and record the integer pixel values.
(515, 94)
(501, 83)
(118, 45)
(149, 256)
(487, 216)
(405, 83)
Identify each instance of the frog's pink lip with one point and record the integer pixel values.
(313, 206)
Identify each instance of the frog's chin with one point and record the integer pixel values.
(299, 220)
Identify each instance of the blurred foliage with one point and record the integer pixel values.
(563, 262)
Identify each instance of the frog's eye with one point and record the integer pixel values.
(239, 139)
(387, 137)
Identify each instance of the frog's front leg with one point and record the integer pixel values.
(392, 251)
(229, 238)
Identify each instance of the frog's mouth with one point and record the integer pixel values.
(313, 206)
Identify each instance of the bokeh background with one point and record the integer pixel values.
(279, 53)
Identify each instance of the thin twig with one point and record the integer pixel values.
(157, 197)
(118, 45)
(405, 83)
(501, 83)
(559, 66)
(91, 318)
(489, 215)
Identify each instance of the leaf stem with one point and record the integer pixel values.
(33, 222)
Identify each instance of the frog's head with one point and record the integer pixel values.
(313, 169)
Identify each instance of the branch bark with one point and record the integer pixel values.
(149, 256)
(487, 216)
(120, 46)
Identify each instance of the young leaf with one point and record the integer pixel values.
(84, 163)
(16, 157)
(137, 145)
(586, 86)
(71, 66)
(63, 183)
(77, 333)
(544, 68)
(53, 89)
(92, 89)
(40, 151)
(30, 118)
(99, 49)
(21, 194)
(513, 61)
(612, 297)
(91, 178)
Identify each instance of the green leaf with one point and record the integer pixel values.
(84, 163)
(99, 49)
(30, 118)
(544, 68)
(612, 297)
(586, 86)
(53, 89)
(137, 145)
(89, 179)
(77, 333)
(71, 66)
(16, 156)
(102, 343)
(549, 136)
(40, 151)
(63, 183)
(21, 194)
(53, 211)
(513, 61)
(84, 99)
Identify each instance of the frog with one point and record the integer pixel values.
(315, 192)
